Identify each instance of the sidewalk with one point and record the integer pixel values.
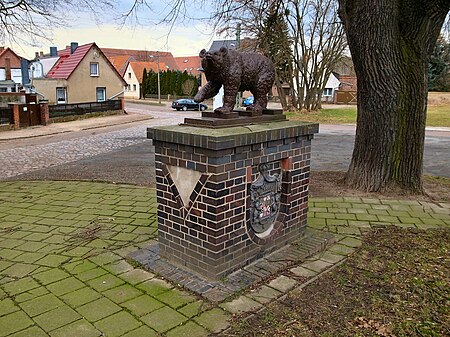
(64, 272)
(77, 125)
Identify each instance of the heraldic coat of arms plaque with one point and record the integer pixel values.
(265, 194)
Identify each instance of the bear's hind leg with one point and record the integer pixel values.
(260, 103)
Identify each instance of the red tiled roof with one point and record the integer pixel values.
(120, 62)
(138, 68)
(143, 56)
(67, 62)
(189, 63)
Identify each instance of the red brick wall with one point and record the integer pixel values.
(15, 61)
(348, 83)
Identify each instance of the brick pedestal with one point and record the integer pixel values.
(16, 117)
(204, 181)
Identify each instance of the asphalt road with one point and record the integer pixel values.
(122, 154)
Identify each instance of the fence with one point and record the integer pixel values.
(5, 116)
(63, 110)
(346, 97)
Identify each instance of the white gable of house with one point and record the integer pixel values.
(332, 82)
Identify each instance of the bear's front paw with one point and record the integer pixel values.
(222, 110)
(198, 98)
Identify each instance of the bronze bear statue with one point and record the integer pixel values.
(236, 71)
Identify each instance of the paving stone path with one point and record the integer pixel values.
(24, 159)
(63, 270)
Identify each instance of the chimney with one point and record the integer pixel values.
(53, 52)
(7, 68)
(73, 47)
(24, 64)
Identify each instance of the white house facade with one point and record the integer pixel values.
(331, 86)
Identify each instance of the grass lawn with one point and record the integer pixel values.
(438, 113)
(326, 116)
(396, 284)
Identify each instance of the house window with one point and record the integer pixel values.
(61, 95)
(129, 75)
(101, 94)
(94, 69)
(134, 87)
(328, 92)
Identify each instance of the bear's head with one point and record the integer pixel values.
(214, 59)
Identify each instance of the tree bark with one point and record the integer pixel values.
(390, 42)
(281, 92)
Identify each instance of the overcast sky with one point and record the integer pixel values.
(186, 37)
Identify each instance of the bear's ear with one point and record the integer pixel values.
(224, 50)
(202, 53)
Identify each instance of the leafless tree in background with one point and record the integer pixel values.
(315, 35)
(318, 44)
(28, 21)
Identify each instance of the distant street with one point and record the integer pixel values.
(122, 153)
(332, 149)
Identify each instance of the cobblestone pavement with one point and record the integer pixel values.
(18, 160)
(63, 270)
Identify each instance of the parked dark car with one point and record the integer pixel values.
(188, 104)
(248, 101)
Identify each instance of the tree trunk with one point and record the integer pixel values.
(281, 93)
(390, 42)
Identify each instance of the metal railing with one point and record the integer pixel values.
(63, 110)
(5, 116)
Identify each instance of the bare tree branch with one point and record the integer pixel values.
(28, 21)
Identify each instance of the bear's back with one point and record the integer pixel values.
(254, 66)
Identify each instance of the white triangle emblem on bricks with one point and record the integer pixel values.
(185, 180)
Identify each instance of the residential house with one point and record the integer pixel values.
(345, 66)
(331, 86)
(229, 44)
(191, 64)
(133, 77)
(120, 62)
(10, 71)
(347, 75)
(77, 74)
(120, 59)
(348, 83)
(42, 64)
